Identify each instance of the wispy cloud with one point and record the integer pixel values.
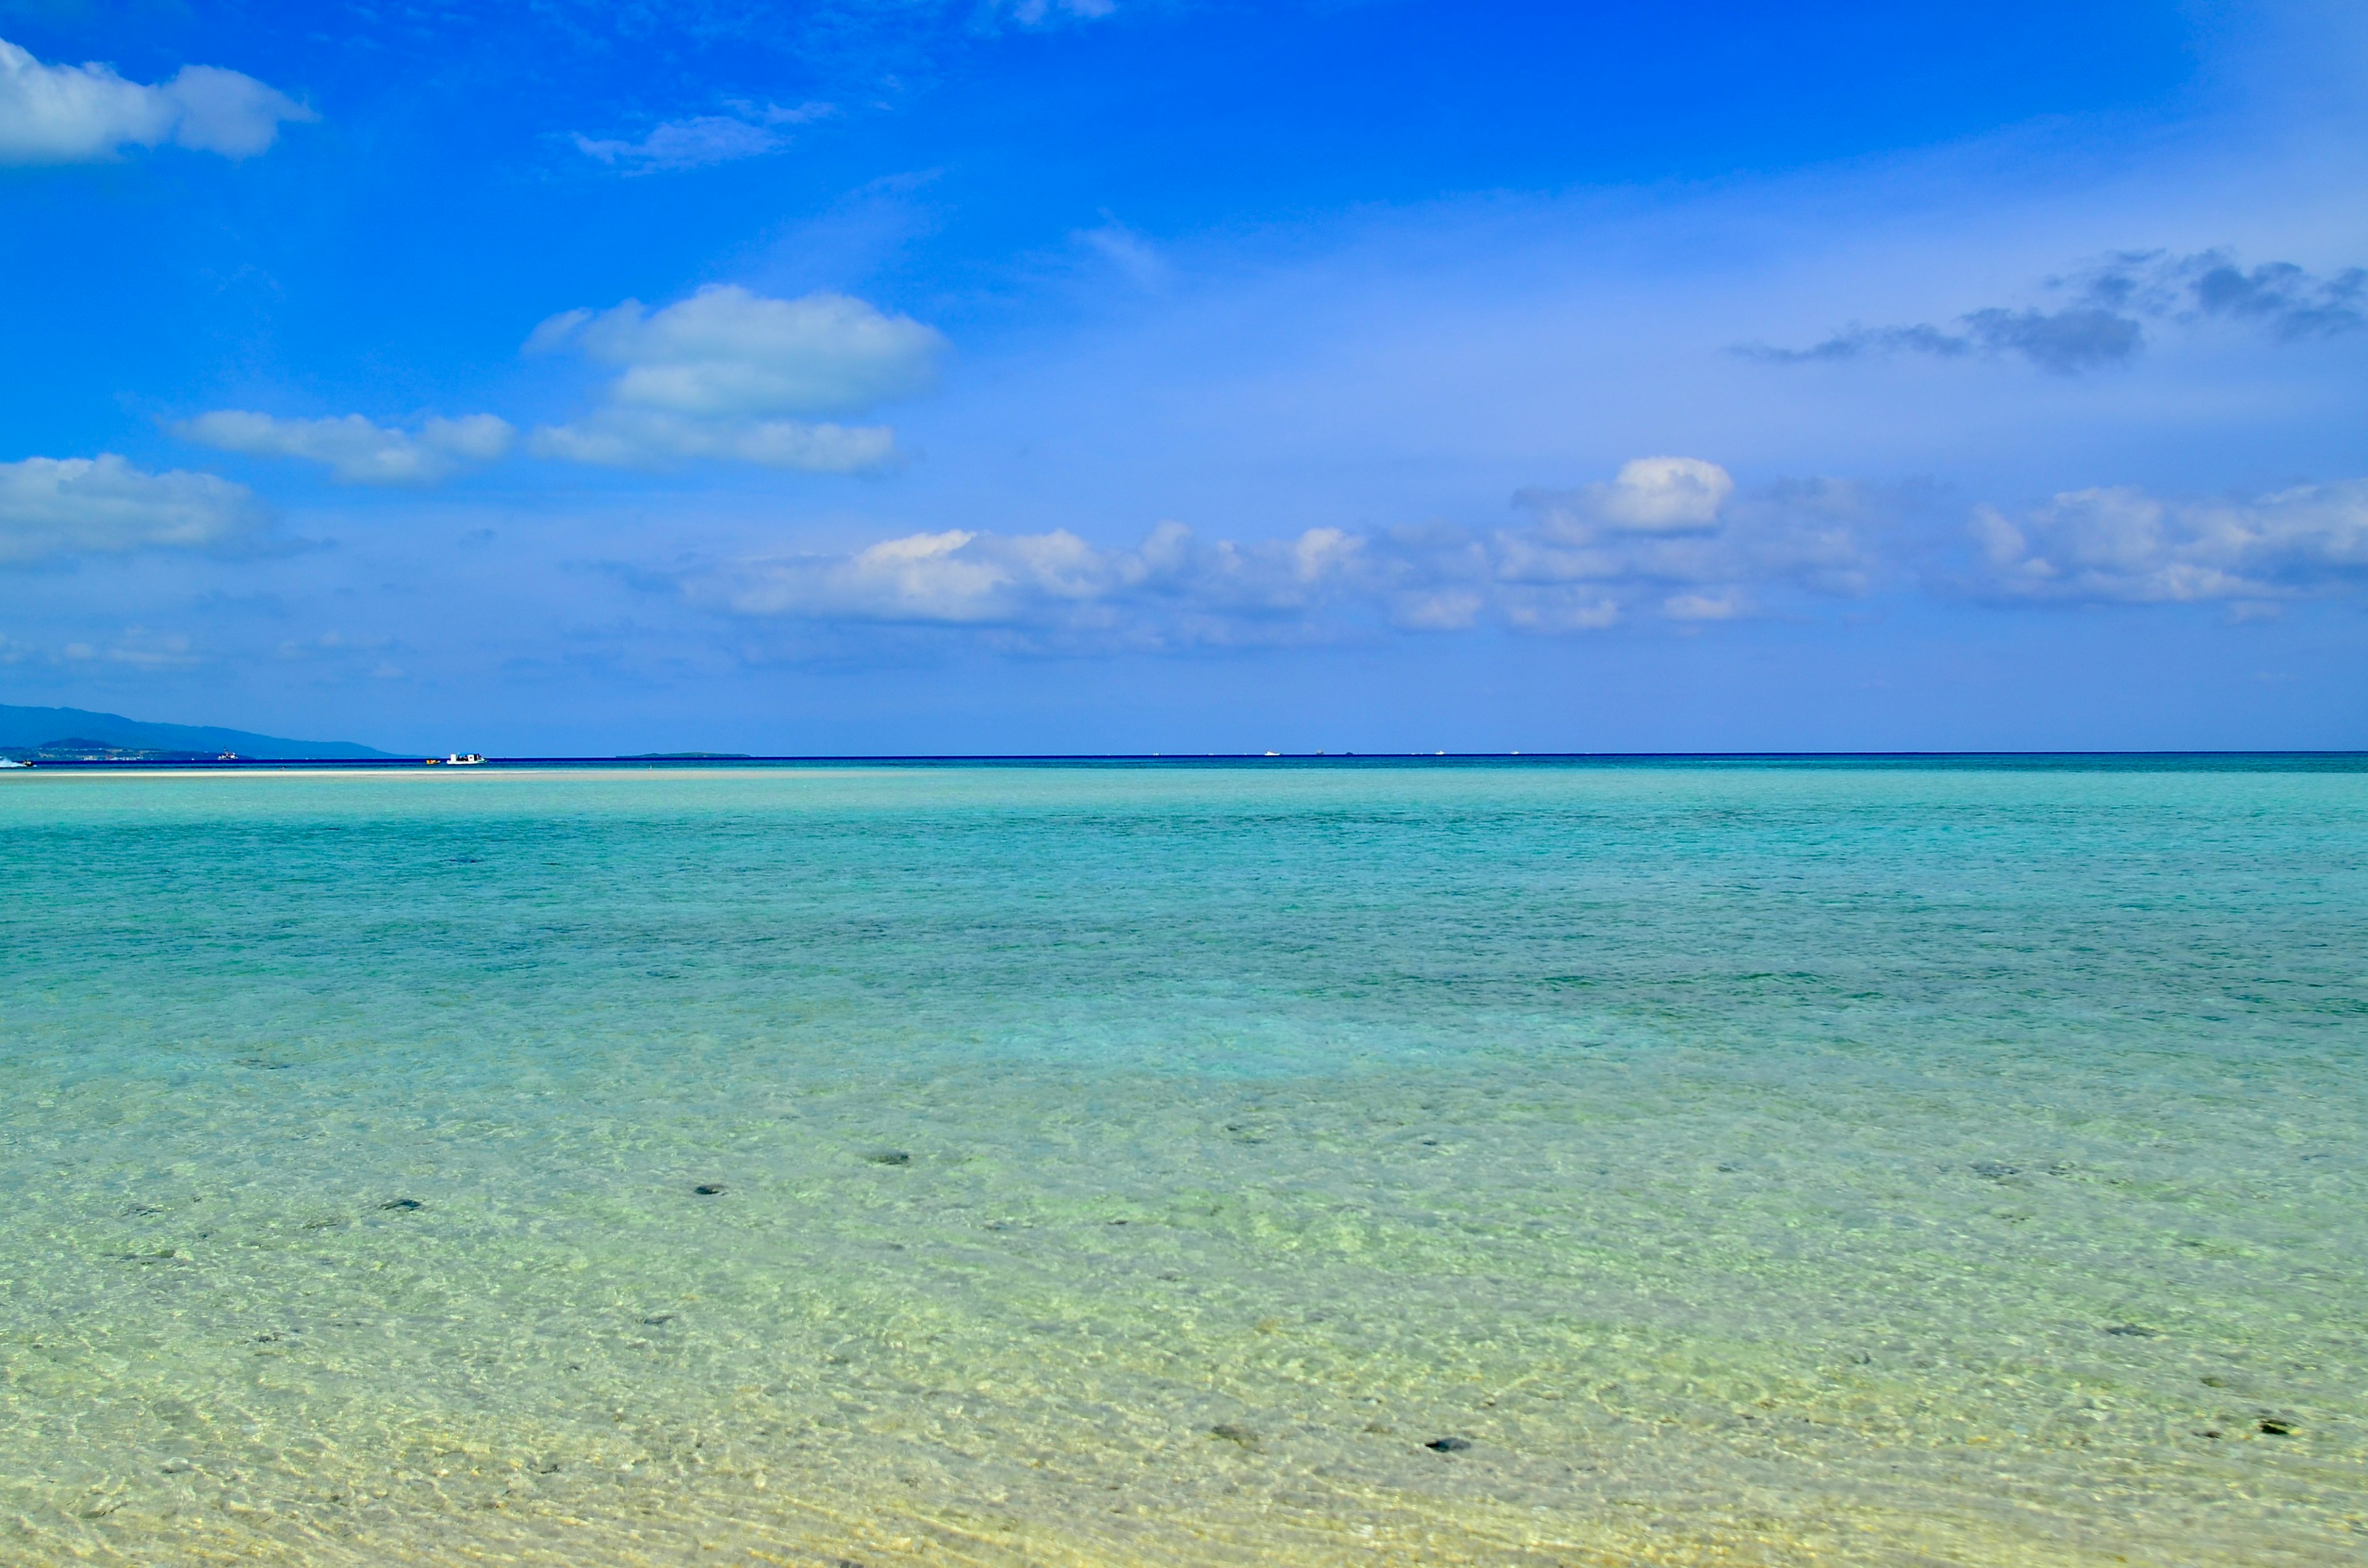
(1134, 257)
(138, 648)
(1048, 13)
(725, 373)
(2111, 302)
(81, 114)
(648, 438)
(358, 451)
(56, 507)
(748, 131)
(2082, 339)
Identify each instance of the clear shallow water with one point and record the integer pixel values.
(1754, 1164)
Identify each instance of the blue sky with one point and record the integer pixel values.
(1148, 375)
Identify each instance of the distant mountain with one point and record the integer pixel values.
(29, 730)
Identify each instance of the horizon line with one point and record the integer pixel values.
(694, 760)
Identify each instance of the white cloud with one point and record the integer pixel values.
(1172, 588)
(1669, 540)
(1671, 532)
(1650, 495)
(81, 114)
(358, 451)
(222, 111)
(1704, 607)
(728, 351)
(704, 138)
(2119, 543)
(51, 507)
(642, 438)
(719, 374)
(1666, 539)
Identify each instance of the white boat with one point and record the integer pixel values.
(459, 759)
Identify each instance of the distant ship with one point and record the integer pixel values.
(456, 760)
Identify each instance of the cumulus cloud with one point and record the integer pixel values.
(2111, 301)
(726, 373)
(728, 351)
(81, 114)
(358, 451)
(2119, 543)
(1649, 495)
(1667, 538)
(1670, 536)
(52, 507)
(700, 140)
(1172, 588)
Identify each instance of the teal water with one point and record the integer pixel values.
(1907, 1164)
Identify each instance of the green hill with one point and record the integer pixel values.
(27, 731)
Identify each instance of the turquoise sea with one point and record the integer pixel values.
(1910, 1163)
